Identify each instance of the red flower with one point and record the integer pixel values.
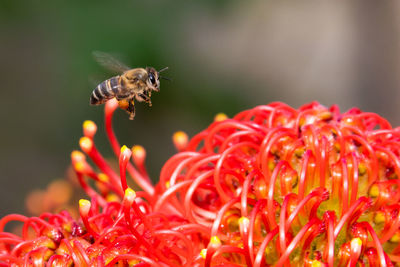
(273, 186)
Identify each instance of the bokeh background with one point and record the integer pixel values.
(224, 56)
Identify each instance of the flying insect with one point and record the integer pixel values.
(131, 84)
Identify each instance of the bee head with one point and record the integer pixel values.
(153, 79)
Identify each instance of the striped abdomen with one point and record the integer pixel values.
(105, 91)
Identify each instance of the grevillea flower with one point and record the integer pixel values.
(273, 186)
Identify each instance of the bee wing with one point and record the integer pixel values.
(109, 62)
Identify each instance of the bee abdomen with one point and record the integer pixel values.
(105, 91)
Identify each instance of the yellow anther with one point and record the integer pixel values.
(130, 194)
(356, 243)
(133, 262)
(167, 184)
(220, 117)
(89, 128)
(215, 241)
(86, 144)
(125, 153)
(203, 253)
(396, 237)
(379, 217)
(79, 166)
(138, 151)
(104, 178)
(124, 149)
(112, 198)
(84, 206)
(77, 156)
(271, 165)
(362, 169)
(88, 124)
(316, 263)
(180, 140)
(244, 221)
(374, 191)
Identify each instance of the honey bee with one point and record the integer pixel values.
(132, 84)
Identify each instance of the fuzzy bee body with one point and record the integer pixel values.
(132, 84)
(106, 90)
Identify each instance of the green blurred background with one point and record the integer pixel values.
(224, 56)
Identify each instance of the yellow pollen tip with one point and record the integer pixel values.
(86, 144)
(79, 166)
(374, 191)
(379, 217)
(104, 178)
(215, 241)
(112, 198)
(180, 140)
(77, 156)
(396, 237)
(167, 184)
(244, 221)
(138, 151)
(130, 194)
(220, 117)
(356, 242)
(126, 153)
(89, 128)
(362, 169)
(133, 262)
(124, 148)
(203, 253)
(84, 206)
(316, 263)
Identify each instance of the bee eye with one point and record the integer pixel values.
(152, 79)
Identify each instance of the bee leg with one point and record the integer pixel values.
(131, 109)
(146, 98)
(149, 99)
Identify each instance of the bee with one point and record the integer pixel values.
(132, 84)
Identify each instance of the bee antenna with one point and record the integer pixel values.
(165, 78)
(163, 69)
